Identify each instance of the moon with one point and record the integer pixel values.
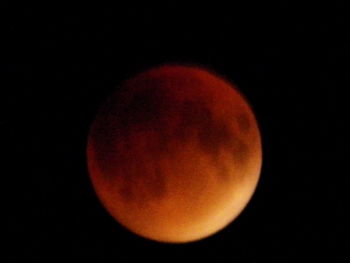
(175, 154)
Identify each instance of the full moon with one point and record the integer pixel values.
(175, 154)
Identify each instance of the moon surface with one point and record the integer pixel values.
(175, 154)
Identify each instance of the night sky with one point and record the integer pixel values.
(60, 63)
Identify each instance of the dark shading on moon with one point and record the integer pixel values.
(169, 129)
(196, 123)
(243, 122)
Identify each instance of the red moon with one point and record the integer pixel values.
(175, 154)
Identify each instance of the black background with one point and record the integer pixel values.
(60, 62)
